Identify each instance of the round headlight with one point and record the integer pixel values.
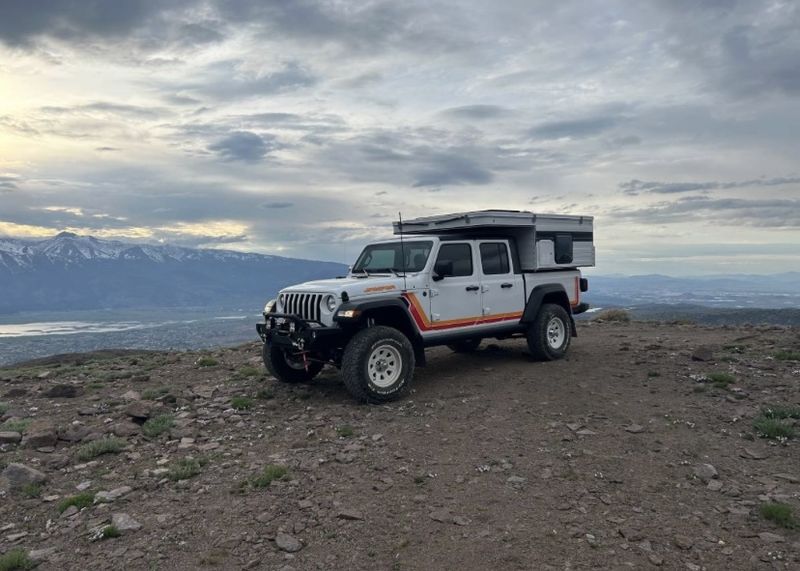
(330, 301)
(270, 306)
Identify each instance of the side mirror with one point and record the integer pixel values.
(436, 277)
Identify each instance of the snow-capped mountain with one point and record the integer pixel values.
(68, 272)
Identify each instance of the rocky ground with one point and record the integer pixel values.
(637, 451)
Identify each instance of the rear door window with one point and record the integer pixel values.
(494, 258)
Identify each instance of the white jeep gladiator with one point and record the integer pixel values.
(445, 280)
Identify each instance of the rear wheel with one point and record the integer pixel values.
(550, 333)
(286, 367)
(465, 346)
(378, 364)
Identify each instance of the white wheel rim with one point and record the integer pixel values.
(556, 333)
(385, 365)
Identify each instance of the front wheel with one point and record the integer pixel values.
(550, 333)
(378, 364)
(286, 367)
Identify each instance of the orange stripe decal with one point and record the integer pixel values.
(424, 324)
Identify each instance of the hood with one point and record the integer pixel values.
(355, 287)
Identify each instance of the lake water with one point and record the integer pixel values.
(33, 335)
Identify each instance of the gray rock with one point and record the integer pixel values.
(768, 537)
(62, 391)
(703, 354)
(40, 555)
(16, 476)
(10, 437)
(138, 409)
(705, 472)
(72, 433)
(516, 480)
(131, 395)
(124, 429)
(683, 541)
(41, 438)
(288, 543)
(634, 428)
(124, 522)
(113, 495)
(349, 514)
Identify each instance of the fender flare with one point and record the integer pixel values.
(536, 300)
(376, 304)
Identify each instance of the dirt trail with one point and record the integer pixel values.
(628, 454)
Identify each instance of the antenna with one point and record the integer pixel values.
(402, 251)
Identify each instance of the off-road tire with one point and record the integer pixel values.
(465, 346)
(278, 366)
(371, 352)
(550, 333)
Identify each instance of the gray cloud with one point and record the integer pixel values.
(277, 205)
(68, 19)
(771, 213)
(576, 128)
(223, 80)
(8, 183)
(244, 146)
(477, 112)
(635, 186)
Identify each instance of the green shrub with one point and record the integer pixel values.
(158, 425)
(206, 361)
(345, 431)
(110, 531)
(772, 428)
(787, 355)
(16, 560)
(265, 394)
(617, 315)
(268, 475)
(241, 403)
(80, 501)
(721, 380)
(153, 394)
(109, 445)
(32, 490)
(20, 425)
(185, 468)
(249, 371)
(3, 408)
(781, 412)
(780, 514)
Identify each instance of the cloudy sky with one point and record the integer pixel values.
(302, 127)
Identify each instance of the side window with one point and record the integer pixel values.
(454, 260)
(563, 249)
(494, 258)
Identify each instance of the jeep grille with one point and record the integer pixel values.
(305, 305)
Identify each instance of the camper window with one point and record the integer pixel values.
(563, 249)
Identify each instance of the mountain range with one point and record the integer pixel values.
(71, 272)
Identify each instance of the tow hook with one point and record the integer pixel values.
(305, 360)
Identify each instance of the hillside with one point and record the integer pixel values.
(638, 451)
(70, 272)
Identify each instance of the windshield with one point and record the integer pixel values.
(388, 257)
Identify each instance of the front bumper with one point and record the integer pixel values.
(298, 334)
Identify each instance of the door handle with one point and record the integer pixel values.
(506, 286)
(472, 288)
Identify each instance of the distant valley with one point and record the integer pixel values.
(70, 272)
(78, 293)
